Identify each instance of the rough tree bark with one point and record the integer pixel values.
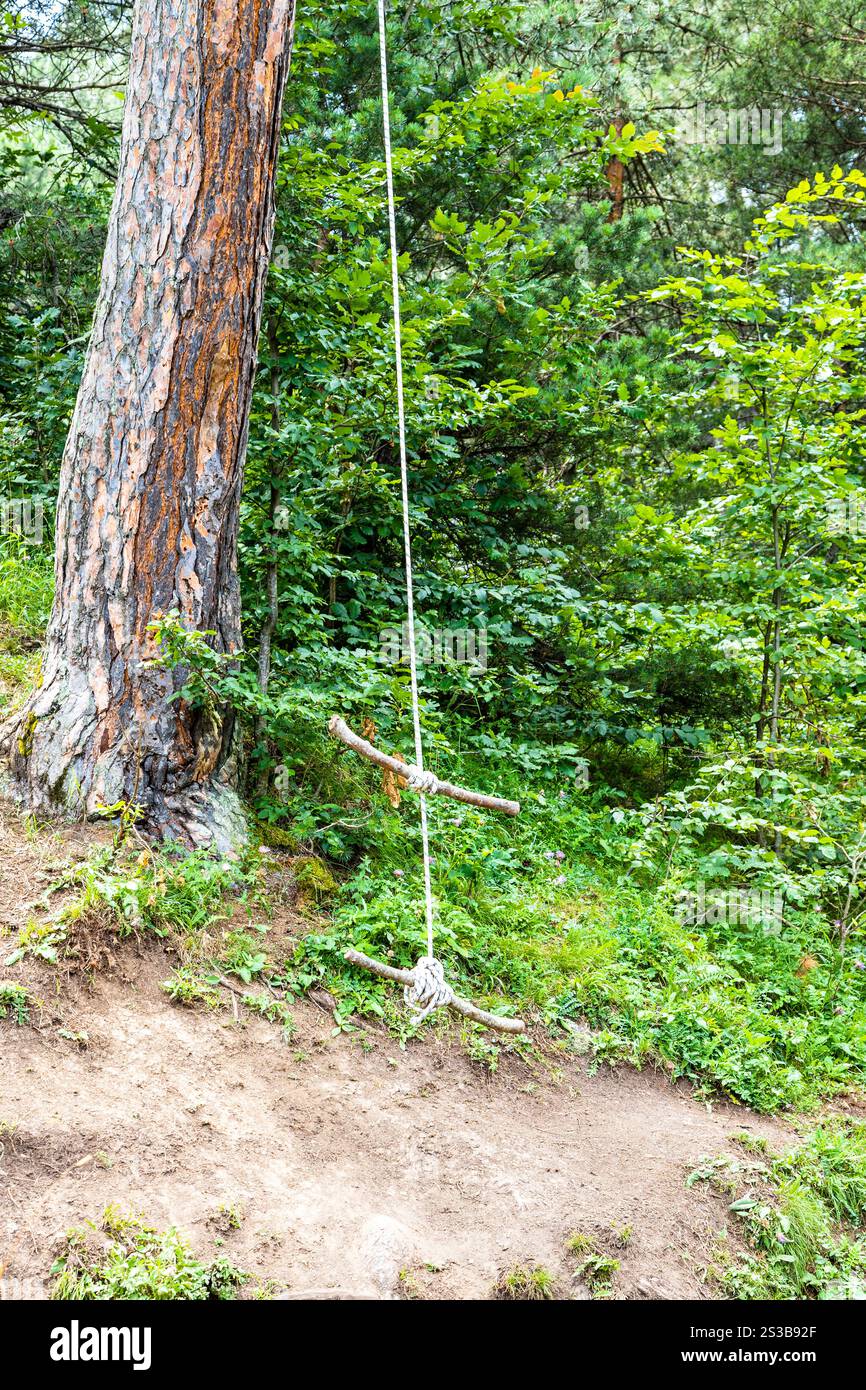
(151, 475)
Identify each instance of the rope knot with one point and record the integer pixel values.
(420, 780)
(428, 990)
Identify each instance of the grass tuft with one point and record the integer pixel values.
(525, 1283)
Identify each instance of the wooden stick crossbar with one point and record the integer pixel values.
(338, 728)
(462, 1006)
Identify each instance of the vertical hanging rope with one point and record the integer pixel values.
(425, 987)
(404, 479)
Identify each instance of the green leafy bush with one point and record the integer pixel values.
(124, 1258)
(797, 1212)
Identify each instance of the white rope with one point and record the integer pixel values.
(428, 990)
(429, 982)
(418, 779)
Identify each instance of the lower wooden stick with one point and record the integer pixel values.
(462, 1006)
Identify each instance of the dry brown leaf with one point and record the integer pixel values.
(392, 784)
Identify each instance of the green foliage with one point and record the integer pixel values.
(274, 1010)
(536, 916)
(26, 584)
(40, 939)
(164, 891)
(777, 798)
(796, 1212)
(188, 985)
(229, 1216)
(597, 1272)
(498, 346)
(241, 954)
(175, 895)
(192, 656)
(14, 1002)
(746, 100)
(124, 1258)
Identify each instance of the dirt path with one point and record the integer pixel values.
(349, 1162)
(348, 1165)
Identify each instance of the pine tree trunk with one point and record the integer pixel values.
(151, 476)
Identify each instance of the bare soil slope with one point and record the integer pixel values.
(349, 1164)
